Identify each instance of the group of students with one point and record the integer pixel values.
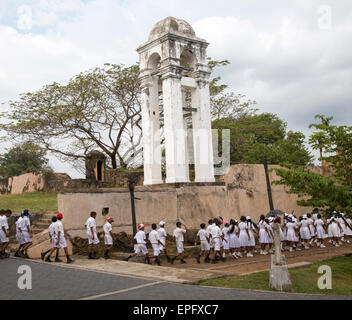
(235, 239)
(23, 232)
(239, 238)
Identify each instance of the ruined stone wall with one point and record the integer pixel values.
(242, 192)
(34, 182)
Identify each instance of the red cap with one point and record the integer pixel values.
(111, 219)
(141, 226)
(59, 216)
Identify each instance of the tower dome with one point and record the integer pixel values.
(171, 25)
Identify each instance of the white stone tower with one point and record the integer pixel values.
(172, 61)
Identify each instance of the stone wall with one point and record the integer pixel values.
(242, 192)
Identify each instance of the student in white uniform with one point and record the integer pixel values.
(234, 242)
(291, 232)
(93, 240)
(335, 230)
(19, 252)
(179, 237)
(348, 232)
(320, 227)
(4, 234)
(311, 229)
(163, 237)
(270, 223)
(154, 240)
(226, 240)
(203, 238)
(305, 231)
(27, 232)
(53, 240)
(244, 237)
(216, 238)
(141, 240)
(61, 240)
(211, 224)
(252, 231)
(108, 237)
(264, 235)
(342, 223)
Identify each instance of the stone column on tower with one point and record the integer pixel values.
(175, 133)
(151, 130)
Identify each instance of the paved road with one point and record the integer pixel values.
(59, 283)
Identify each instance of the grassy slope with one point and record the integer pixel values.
(35, 202)
(304, 280)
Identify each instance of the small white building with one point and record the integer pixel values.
(174, 64)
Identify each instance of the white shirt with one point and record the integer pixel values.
(52, 230)
(3, 222)
(178, 234)
(107, 228)
(209, 228)
(91, 224)
(215, 232)
(18, 223)
(162, 235)
(24, 223)
(58, 227)
(140, 237)
(203, 235)
(154, 237)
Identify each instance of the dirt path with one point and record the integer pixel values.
(262, 263)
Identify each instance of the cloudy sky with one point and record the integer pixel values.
(292, 57)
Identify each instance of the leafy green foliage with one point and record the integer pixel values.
(255, 136)
(330, 191)
(23, 158)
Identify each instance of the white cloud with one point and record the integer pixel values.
(281, 55)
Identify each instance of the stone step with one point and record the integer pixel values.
(41, 225)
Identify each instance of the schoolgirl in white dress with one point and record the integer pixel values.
(334, 230)
(348, 232)
(311, 228)
(343, 226)
(226, 239)
(264, 235)
(244, 236)
(320, 231)
(305, 231)
(291, 233)
(234, 241)
(252, 231)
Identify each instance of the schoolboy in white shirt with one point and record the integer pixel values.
(163, 236)
(93, 240)
(108, 237)
(53, 240)
(19, 252)
(4, 234)
(141, 240)
(27, 232)
(61, 240)
(178, 234)
(154, 239)
(203, 237)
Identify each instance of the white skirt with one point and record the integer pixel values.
(234, 241)
(305, 233)
(321, 234)
(291, 236)
(226, 244)
(243, 238)
(263, 236)
(334, 230)
(252, 239)
(108, 240)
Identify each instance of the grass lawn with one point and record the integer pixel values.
(34, 202)
(304, 280)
